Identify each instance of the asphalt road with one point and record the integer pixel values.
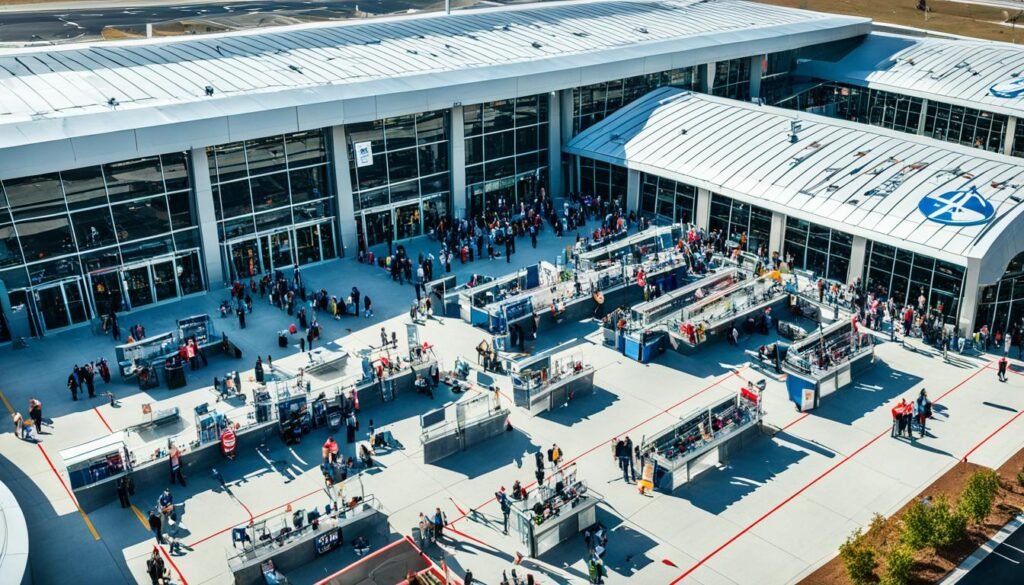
(1003, 565)
(64, 26)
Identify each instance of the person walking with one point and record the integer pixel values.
(506, 509)
(924, 411)
(73, 384)
(620, 455)
(1003, 365)
(35, 412)
(156, 525)
(439, 522)
(368, 307)
(155, 568)
(629, 455)
(88, 372)
(174, 457)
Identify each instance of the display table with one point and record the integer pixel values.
(824, 362)
(549, 379)
(458, 426)
(550, 516)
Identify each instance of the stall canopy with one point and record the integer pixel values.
(943, 200)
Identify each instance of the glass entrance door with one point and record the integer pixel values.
(139, 285)
(164, 282)
(106, 291)
(61, 304)
(245, 258)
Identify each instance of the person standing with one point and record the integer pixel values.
(174, 457)
(89, 372)
(155, 568)
(241, 318)
(35, 412)
(629, 455)
(73, 384)
(368, 307)
(620, 455)
(506, 509)
(924, 410)
(1003, 364)
(259, 370)
(122, 491)
(156, 525)
(439, 522)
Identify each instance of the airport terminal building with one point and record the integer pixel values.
(139, 172)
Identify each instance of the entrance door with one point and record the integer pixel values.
(281, 250)
(140, 290)
(245, 258)
(106, 291)
(164, 282)
(62, 304)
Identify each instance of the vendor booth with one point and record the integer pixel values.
(703, 438)
(554, 512)
(163, 354)
(96, 461)
(459, 425)
(824, 362)
(399, 563)
(742, 305)
(549, 379)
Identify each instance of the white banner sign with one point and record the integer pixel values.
(364, 154)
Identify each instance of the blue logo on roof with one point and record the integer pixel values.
(1008, 89)
(961, 208)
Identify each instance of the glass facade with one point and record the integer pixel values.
(273, 202)
(734, 219)
(822, 250)
(81, 243)
(603, 181)
(906, 276)
(732, 79)
(1001, 305)
(867, 106)
(776, 76)
(506, 152)
(403, 187)
(965, 126)
(593, 103)
(666, 200)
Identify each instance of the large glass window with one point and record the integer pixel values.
(929, 284)
(593, 103)
(740, 222)
(822, 250)
(603, 181)
(867, 106)
(507, 142)
(1001, 305)
(732, 79)
(965, 126)
(666, 200)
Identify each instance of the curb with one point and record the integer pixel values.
(983, 551)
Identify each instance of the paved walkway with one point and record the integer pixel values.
(772, 514)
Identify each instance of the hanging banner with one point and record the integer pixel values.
(364, 154)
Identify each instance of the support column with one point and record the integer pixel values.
(569, 171)
(632, 190)
(1010, 134)
(756, 71)
(969, 302)
(778, 233)
(554, 162)
(206, 216)
(458, 162)
(923, 117)
(707, 77)
(343, 193)
(858, 253)
(703, 209)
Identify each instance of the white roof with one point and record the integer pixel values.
(956, 71)
(863, 180)
(163, 81)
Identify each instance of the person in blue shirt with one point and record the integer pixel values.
(166, 504)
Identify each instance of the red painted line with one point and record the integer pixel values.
(994, 433)
(59, 478)
(838, 464)
(798, 419)
(629, 430)
(251, 517)
(461, 511)
(100, 414)
(173, 565)
(247, 510)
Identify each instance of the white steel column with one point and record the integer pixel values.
(756, 64)
(1010, 133)
(567, 115)
(707, 77)
(554, 161)
(703, 208)
(858, 253)
(969, 302)
(206, 215)
(776, 236)
(924, 115)
(343, 193)
(632, 190)
(458, 162)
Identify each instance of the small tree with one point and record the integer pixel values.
(917, 526)
(949, 525)
(899, 562)
(979, 495)
(858, 557)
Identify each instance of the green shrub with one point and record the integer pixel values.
(877, 524)
(979, 495)
(949, 525)
(899, 562)
(858, 557)
(916, 530)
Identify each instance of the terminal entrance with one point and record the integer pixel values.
(265, 253)
(61, 304)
